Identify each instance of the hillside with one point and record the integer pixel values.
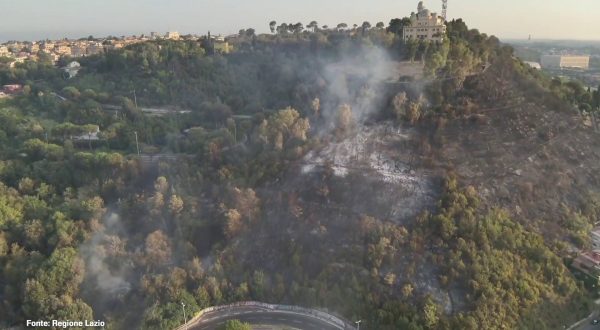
(411, 185)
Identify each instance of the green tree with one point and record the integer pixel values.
(235, 325)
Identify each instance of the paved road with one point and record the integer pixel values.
(256, 316)
(586, 324)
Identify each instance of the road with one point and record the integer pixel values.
(586, 324)
(260, 316)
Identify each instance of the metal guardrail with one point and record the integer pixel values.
(323, 316)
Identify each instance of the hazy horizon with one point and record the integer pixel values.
(509, 20)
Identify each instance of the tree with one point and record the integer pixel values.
(234, 224)
(298, 28)
(314, 26)
(397, 25)
(342, 26)
(161, 185)
(407, 290)
(345, 119)
(246, 202)
(175, 205)
(158, 249)
(258, 285)
(235, 325)
(430, 313)
(283, 28)
(272, 26)
(380, 25)
(282, 126)
(316, 106)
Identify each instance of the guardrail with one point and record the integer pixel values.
(321, 315)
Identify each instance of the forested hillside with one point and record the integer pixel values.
(412, 185)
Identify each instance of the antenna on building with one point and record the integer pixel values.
(444, 8)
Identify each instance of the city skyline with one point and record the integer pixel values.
(75, 19)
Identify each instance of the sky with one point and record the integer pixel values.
(507, 19)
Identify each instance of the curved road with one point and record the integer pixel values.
(260, 316)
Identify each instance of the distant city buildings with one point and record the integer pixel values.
(566, 61)
(425, 25)
(54, 50)
(173, 35)
(215, 44)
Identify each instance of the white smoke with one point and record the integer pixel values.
(96, 252)
(358, 80)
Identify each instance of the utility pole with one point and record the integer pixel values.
(235, 130)
(135, 98)
(358, 324)
(137, 145)
(184, 318)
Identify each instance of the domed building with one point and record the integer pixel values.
(425, 25)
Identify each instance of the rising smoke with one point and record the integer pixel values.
(107, 277)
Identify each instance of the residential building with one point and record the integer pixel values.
(94, 48)
(566, 61)
(425, 25)
(534, 65)
(78, 50)
(33, 47)
(173, 35)
(89, 136)
(4, 51)
(12, 89)
(595, 235)
(63, 49)
(47, 47)
(588, 263)
(222, 47)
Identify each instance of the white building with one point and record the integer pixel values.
(4, 50)
(534, 65)
(89, 136)
(565, 61)
(425, 25)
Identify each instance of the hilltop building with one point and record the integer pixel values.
(565, 61)
(425, 25)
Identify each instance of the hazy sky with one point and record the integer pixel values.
(40, 19)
